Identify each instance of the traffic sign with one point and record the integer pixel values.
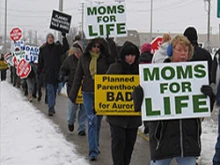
(16, 34)
(155, 44)
(23, 69)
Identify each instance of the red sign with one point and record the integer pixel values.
(155, 44)
(15, 34)
(23, 69)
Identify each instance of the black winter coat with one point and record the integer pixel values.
(83, 72)
(68, 69)
(49, 61)
(122, 121)
(174, 138)
(201, 54)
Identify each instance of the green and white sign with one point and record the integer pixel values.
(105, 20)
(172, 90)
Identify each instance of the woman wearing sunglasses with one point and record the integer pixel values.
(95, 60)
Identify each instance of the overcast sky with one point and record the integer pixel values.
(168, 15)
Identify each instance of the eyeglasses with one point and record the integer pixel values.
(96, 46)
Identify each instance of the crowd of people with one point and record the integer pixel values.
(76, 66)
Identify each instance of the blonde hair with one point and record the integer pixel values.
(74, 50)
(183, 41)
(166, 37)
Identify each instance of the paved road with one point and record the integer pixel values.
(140, 156)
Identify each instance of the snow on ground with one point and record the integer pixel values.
(28, 137)
(209, 138)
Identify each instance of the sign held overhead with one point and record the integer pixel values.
(60, 21)
(105, 20)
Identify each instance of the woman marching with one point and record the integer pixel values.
(95, 60)
(177, 139)
(124, 128)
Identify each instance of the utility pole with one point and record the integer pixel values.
(82, 21)
(151, 19)
(208, 25)
(60, 9)
(5, 36)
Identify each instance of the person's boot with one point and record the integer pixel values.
(29, 97)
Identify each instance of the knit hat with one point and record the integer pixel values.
(191, 34)
(146, 48)
(79, 45)
(49, 34)
(129, 48)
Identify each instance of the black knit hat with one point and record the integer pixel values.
(191, 34)
(129, 48)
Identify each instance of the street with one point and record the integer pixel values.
(141, 153)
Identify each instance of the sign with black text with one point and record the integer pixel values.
(173, 90)
(113, 94)
(60, 21)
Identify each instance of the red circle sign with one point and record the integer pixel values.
(15, 34)
(23, 69)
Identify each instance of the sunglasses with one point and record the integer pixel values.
(96, 46)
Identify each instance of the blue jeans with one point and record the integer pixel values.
(216, 158)
(60, 86)
(180, 161)
(51, 96)
(72, 109)
(94, 123)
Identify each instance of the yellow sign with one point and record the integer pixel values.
(3, 65)
(113, 94)
(79, 99)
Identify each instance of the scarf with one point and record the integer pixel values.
(93, 63)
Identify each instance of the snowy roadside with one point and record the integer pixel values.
(28, 137)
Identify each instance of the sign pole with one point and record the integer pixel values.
(5, 38)
(218, 9)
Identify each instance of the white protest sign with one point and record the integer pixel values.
(172, 90)
(105, 20)
(31, 53)
(17, 45)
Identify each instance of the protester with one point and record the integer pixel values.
(161, 54)
(67, 72)
(3, 68)
(124, 128)
(31, 81)
(216, 80)
(95, 60)
(180, 138)
(200, 54)
(146, 55)
(50, 61)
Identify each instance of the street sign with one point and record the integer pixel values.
(155, 44)
(218, 9)
(23, 69)
(16, 34)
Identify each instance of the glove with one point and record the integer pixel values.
(138, 96)
(63, 34)
(207, 90)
